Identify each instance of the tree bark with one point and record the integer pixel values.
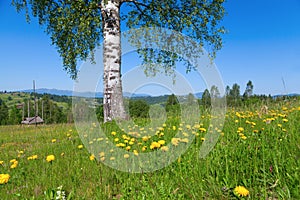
(113, 105)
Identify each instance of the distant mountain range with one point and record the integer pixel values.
(100, 94)
(80, 94)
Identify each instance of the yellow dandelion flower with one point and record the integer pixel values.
(174, 127)
(128, 148)
(121, 145)
(4, 178)
(202, 139)
(285, 120)
(144, 148)
(162, 142)
(135, 152)
(53, 140)
(241, 191)
(185, 140)
(50, 158)
(113, 133)
(240, 130)
(126, 156)
(1, 162)
(21, 152)
(155, 145)
(14, 165)
(116, 139)
(102, 154)
(202, 129)
(102, 159)
(145, 138)
(164, 148)
(112, 158)
(175, 141)
(80, 146)
(13, 160)
(243, 137)
(92, 157)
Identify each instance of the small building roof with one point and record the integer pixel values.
(33, 120)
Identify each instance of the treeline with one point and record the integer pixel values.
(58, 109)
(234, 97)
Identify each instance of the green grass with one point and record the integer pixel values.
(263, 157)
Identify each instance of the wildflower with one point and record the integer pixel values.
(53, 140)
(162, 142)
(80, 146)
(243, 137)
(116, 139)
(50, 158)
(202, 129)
(174, 128)
(241, 191)
(164, 148)
(14, 165)
(155, 145)
(1, 162)
(185, 140)
(112, 158)
(92, 157)
(135, 152)
(285, 120)
(34, 157)
(175, 141)
(21, 152)
(4, 178)
(145, 138)
(62, 154)
(102, 159)
(113, 133)
(101, 154)
(120, 145)
(128, 148)
(144, 148)
(240, 130)
(126, 156)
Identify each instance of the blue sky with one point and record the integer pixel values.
(262, 45)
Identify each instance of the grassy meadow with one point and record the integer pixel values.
(259, 151)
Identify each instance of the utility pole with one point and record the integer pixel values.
(35, 111)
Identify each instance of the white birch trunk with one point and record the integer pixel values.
(113, 104)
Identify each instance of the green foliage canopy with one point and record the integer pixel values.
(75, 26)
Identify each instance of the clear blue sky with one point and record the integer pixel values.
(262, 45)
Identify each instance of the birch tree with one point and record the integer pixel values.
(76, 28)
